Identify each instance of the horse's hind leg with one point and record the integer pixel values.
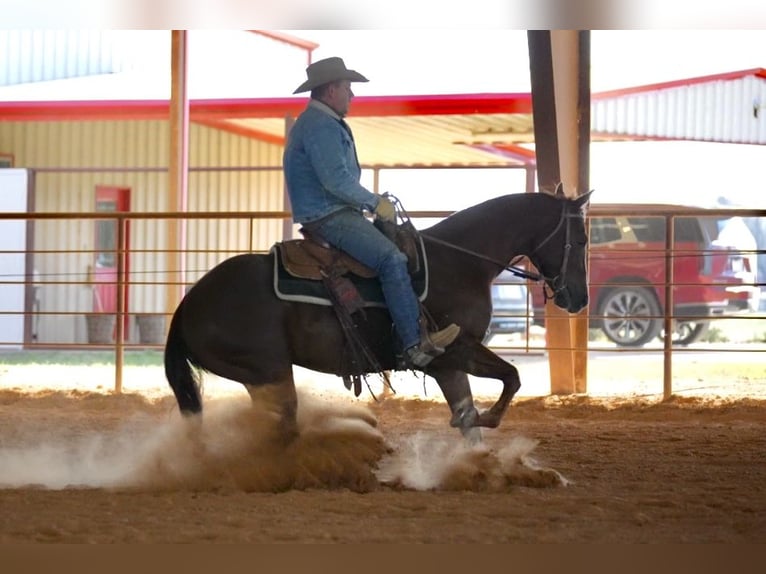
(270, 385)
(281, 399)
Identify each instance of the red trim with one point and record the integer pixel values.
(242, 131)
(105, 278)
(518, 151)
(513, 152)
(451, 104)
(84, 110)
(757, 72)
(373, 106)
(363, 106)
(287, 39)
(248, 108)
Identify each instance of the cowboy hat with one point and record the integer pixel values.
(326, 71)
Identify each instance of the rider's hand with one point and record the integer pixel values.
(385, 210)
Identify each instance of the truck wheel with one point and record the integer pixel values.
(688, 332)
(631, 316)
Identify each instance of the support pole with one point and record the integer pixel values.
(178, 171)
(667, 350)
(561, 104)
(122, 283)
(287, 225)
(580, 320)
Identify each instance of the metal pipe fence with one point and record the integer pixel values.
(46, 269)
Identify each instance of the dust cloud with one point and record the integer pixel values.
(237, 445)
(424, 462)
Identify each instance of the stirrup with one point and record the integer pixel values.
(416, 357)
(431, 345)
(439, 340)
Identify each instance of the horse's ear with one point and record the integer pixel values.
(559, 191)
(583, 199)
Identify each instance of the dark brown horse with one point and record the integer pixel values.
(232, 323)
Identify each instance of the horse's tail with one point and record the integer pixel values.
(178, 369)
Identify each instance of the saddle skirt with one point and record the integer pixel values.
(301, 264)
(305, 259)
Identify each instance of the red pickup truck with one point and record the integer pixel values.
(627, 273)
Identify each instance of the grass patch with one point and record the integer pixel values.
(714, 335)
(597, 335)
(138, 358)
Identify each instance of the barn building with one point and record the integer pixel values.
(72, 155)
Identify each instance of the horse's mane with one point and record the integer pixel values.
(493, 212)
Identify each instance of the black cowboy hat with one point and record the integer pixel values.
(328, 70)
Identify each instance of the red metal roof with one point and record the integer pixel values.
(756, 72)
(464, 129)
(724, 108)
(363, 106)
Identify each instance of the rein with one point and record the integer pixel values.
(558, 283)
(518, 271)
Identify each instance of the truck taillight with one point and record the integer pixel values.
(738, 264)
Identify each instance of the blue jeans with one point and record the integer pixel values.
(351, 232)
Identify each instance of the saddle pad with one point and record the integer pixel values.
(290, 288)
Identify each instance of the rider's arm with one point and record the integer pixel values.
(333, 157)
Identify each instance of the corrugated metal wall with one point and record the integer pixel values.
(727, 111)
(135, 64)
(65, 248)
(42, 55)
(235, 190)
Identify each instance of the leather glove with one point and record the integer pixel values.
(385, 210)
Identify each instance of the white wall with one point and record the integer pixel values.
(13, 238)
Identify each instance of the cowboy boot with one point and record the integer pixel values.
(431, 344)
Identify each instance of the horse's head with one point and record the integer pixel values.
(560, 255)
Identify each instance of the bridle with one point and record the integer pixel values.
(559, 282)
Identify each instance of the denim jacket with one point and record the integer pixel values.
(321, 167)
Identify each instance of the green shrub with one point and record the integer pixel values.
(714, 335)
(142, 358)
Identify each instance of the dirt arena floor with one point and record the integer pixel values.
(90, 466)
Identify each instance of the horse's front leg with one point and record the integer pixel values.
(475, 359)
(457, 391)
(486, 364)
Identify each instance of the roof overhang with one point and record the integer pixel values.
(721, 108)
(391, 131)
(464, 130)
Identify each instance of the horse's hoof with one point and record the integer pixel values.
(472, 435)
(488, 419)
(464, 418)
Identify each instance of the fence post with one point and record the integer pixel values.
(667, 373)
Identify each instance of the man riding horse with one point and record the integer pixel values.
(322, 174)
